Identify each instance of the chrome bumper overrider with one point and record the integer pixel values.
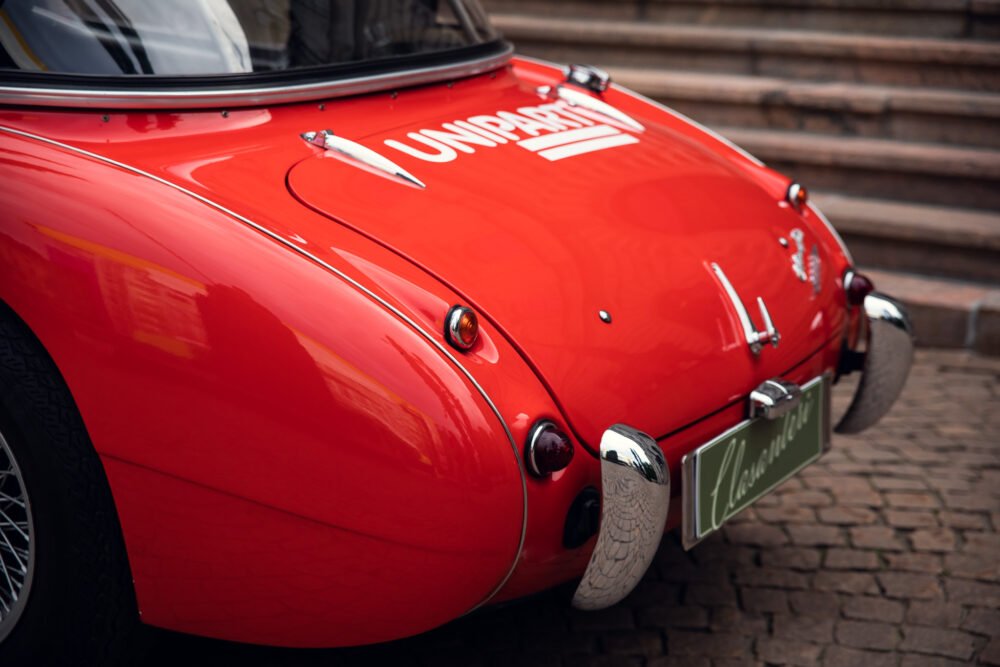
(887, 359)
(635, 480)
(635, 497)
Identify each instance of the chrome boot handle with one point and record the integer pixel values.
(755, 339)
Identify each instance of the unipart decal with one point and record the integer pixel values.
(553, 131)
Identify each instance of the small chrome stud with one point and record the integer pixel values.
(605, 316)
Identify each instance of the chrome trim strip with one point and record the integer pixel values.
(689, 502)
(241, 97)
(358, 286)
(359, 153)
(888, 357)
(635, 499)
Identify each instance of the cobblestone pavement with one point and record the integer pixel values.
(886, 552)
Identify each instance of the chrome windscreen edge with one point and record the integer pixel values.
(241, 97)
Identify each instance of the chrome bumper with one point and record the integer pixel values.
(887, 359)
(635, 480)
(635, 497)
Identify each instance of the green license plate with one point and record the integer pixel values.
(727, 474)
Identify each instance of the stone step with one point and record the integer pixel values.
(880, 168)
(946, 313)
(900, 113)
(790, 54)
(926, 18)
(931, 240)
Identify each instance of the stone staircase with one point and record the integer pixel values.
(888, 110)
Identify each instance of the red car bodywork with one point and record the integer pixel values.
(253, 332)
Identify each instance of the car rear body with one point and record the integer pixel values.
(254, 328)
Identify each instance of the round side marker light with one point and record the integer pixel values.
(549, 449)
(797, 196)
(461, 327)
(857, 287)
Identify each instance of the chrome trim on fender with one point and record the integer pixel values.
(635, 498)
(242, 97)
(358, 286)
(888, 357)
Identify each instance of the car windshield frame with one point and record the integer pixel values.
(298, 84)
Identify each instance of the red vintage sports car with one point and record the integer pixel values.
(327, 322)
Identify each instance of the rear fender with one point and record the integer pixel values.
(274, 437)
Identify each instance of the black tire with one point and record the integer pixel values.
(80, 607)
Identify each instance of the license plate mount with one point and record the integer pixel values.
(730, 472)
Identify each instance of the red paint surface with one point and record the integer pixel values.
(294, 464)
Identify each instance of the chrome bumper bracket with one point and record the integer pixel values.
(887, 359)
(635, 497)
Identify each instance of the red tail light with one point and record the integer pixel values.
(549, 449)
(857, 287)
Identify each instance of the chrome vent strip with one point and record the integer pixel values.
(356, 152)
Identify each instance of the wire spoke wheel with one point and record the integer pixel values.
(17, 555)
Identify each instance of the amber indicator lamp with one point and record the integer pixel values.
(797, 196)
(461, 327)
